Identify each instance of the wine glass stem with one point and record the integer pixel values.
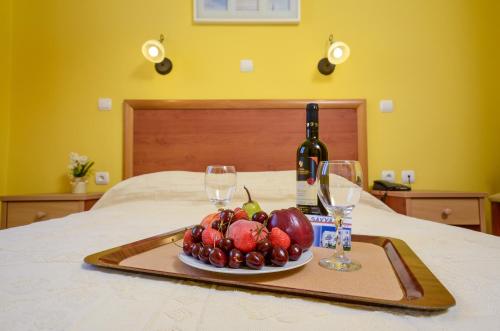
(339, 246)
(340, 214)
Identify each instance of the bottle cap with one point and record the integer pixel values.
(312, 112)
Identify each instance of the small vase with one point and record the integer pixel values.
(79, 184)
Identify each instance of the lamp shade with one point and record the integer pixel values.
(338, 52)
(153, 51)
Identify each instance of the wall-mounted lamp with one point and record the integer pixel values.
(338, 52)
(154, 51)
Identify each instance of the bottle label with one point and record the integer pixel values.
(307, 189)
(307, 194)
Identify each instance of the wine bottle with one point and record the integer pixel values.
(309, 154)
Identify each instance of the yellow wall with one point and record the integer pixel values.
(491, 70)
(69, 53)
(5, 67)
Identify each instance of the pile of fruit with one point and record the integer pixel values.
(249, 237)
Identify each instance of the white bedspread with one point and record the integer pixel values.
(44, 284)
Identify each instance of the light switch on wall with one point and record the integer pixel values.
(386, 106)
(246, 65)
(105, 104)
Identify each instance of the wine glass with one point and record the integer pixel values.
(340, 186)
(220, 184)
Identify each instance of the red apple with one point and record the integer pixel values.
(295, 224)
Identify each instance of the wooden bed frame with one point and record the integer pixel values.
(253, 135)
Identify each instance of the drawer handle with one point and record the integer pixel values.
(446, 212)
(40, 214)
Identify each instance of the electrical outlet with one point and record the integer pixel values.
(388, 175)
(102, 178)
(408, 176)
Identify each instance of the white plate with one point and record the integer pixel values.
(195, 263)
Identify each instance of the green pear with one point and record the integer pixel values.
(251, 207)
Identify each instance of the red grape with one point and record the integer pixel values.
(235, 258)
(294, 252)
(218, 258)
(205, 253)
(197, 231)
(255, 260)
(260, 217)
(279, 256)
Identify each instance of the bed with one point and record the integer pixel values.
(44, 285)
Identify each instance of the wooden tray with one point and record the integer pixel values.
(392, 275)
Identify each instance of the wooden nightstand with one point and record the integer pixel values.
(26, 209)
(495, 214)
(454, 208)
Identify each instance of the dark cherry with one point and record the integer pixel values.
(260, 217)
(236, 258)
(220, 226)
(218, 258)
(216, 225)
(255, 260)
(226, 215)
(294, 252)
(264, 246)
(279, 256)
(187, 248)
(197, 231)
(268, 260)
(205, 253)
(226, 244)
(195, 249)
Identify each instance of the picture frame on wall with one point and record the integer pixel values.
(247, 11)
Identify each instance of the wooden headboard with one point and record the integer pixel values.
(253, 135)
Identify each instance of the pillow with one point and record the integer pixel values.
(189, 186)
(166, 185)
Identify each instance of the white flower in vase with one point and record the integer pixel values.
(73, 157)
(83, 159)
(79, 168)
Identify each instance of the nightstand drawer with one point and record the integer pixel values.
(450, 211)
(22, 213)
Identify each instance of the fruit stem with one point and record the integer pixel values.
(248, 193)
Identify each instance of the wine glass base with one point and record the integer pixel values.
(344, 265)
